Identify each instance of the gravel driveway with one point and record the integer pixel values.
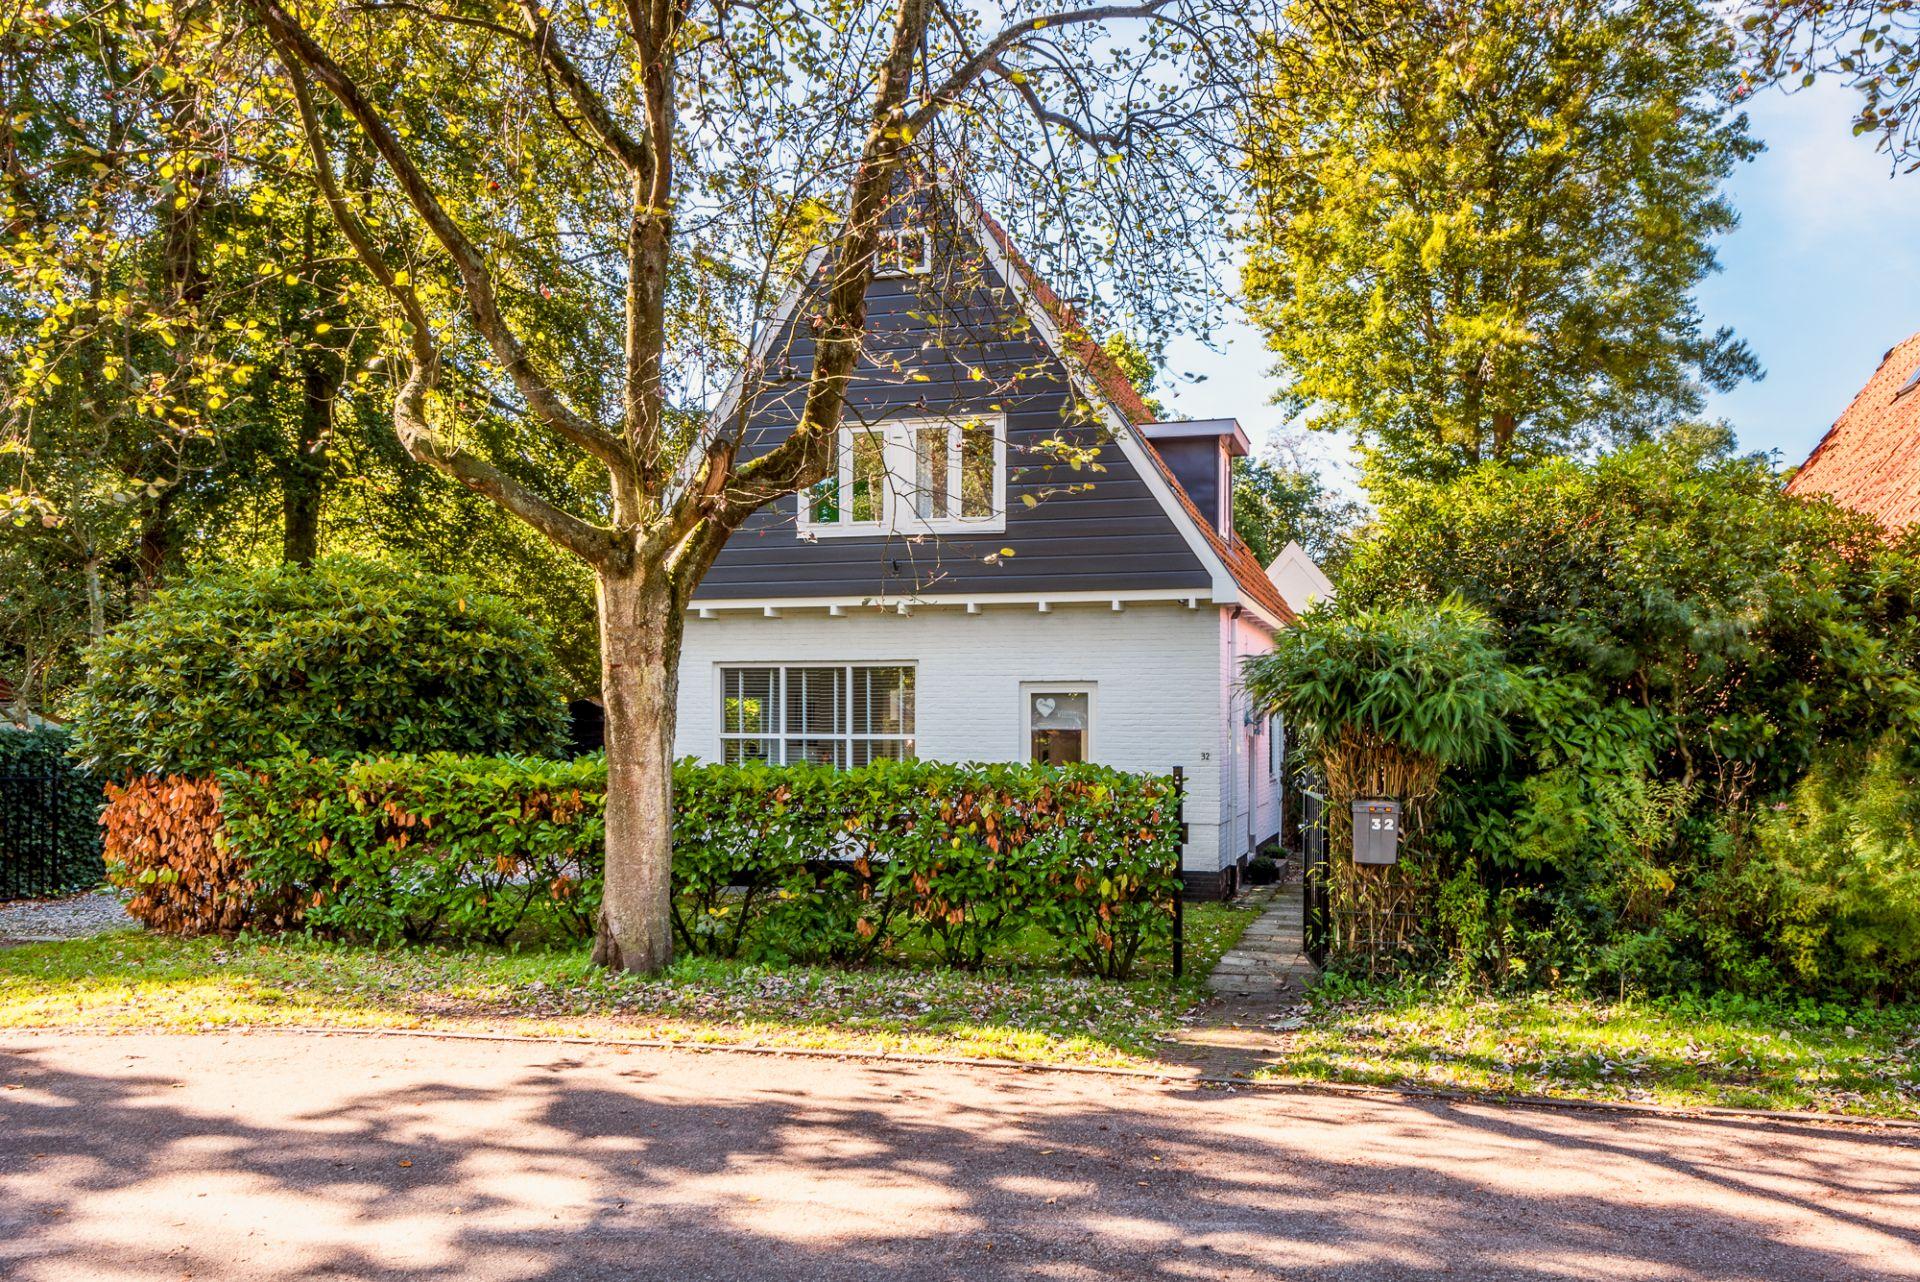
(281, 1155)
(97, 912)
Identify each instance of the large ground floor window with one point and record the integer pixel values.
(833, 715)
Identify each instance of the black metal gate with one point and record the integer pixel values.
(33, 861)
(1313, 846)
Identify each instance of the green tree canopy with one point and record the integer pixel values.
(1480, 224)
(1874, 45)
(1747, 626)
(1277, 500)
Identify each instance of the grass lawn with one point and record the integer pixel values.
(1727, 1051)
(1033, 1011)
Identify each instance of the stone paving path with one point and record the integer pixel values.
(1259, 993)
(1271, 958)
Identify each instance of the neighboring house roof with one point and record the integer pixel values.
(1869, 460)
(1300, 580)
(1106, 378)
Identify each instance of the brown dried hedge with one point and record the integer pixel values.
(165, 842)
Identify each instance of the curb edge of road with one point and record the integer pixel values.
(1270, 1085)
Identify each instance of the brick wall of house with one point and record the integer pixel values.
(1156, 668)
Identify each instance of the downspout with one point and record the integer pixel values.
(1233, 730)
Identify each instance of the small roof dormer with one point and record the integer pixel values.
(1200, 453)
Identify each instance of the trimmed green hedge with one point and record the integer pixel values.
(799, 861)
(49, 817)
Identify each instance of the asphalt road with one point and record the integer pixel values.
(319, 1157)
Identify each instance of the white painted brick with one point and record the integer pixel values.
(1159, 669)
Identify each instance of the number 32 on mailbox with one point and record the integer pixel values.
(1376, 831)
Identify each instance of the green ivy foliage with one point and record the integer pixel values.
(346, 656)
(35, 841)
(801, 862)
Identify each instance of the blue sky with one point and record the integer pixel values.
(1821, 277)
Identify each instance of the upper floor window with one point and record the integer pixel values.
(903, 251)
(913, 476)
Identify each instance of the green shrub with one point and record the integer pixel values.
(803, 862)
(1843, 856)
(1689, 644)
(346, 656)
(961, 855)
(1383, 701)
(410, 849)
(1429, 680)
(49, 816)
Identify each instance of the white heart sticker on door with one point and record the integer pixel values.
(1045, 706)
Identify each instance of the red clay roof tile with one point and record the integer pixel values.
(1112, 382)
(1869, 460)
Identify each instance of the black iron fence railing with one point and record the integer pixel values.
(1313, 846)
(35, 855)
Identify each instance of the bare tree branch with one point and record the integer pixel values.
(719, 502)
(976, 66)
(1046, 115)
(631, 152)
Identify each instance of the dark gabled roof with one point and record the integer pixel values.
(1106, 377)
(1869, 460)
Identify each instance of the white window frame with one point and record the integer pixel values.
(890, 260)
(898, 475)
(1028, 689)
(845, 738)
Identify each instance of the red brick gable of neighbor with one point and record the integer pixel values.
(1113, 384)
(1869, 460)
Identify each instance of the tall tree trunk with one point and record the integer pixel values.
(96, 600)
(303, 480)
(158, 542)
(640, 625)
(1504, 424)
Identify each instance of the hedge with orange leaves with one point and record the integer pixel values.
(165, 842)
(800, 862)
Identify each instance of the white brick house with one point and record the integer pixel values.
(957, 591)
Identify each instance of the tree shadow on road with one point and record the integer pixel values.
(596, 1164)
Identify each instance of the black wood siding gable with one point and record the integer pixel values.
(958, 343)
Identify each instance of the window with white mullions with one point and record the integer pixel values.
(913, 476)
(832, 715)
(955, 468)
(853, 495)
(903, 251)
